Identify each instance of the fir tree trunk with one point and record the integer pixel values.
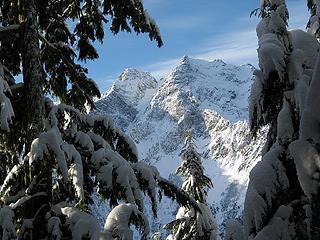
(33, 77)
(315, 218)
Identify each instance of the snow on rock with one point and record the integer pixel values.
(132, 84)
(129, 92)
(210, 96)
(199, 83)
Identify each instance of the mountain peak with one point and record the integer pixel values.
(132, 85)
(133, 79)
(185, 59)
(206, 85)
(129, 92)
(194, 64)
(132, 74)
(218, 60)
(211, 98)
(126, 72)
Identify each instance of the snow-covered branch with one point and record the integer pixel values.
(6, 110)
(7, 225)
(118, 223)
(9, 32)
(24, 199)
(284, 97)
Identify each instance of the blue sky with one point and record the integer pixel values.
(206, 29)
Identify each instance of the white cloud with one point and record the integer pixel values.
(238, 47)
(162, 68)
(182, 22)
(104, 82)
(235, 47)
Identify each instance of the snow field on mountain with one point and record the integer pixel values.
(211, 98)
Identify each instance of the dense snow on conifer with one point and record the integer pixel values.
(282, 201)
(211, 97)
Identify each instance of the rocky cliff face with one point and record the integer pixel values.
(210, 97)
(125, 97)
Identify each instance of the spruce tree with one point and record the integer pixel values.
(191, 224)
(53, 157)
(39, 41)
(282, 200)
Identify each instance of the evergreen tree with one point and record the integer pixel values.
(38, 41)
(54, 156)
(190, 224)
(282, 200)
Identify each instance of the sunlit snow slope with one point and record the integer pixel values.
(211, 97)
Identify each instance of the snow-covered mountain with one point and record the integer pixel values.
(211, 97)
